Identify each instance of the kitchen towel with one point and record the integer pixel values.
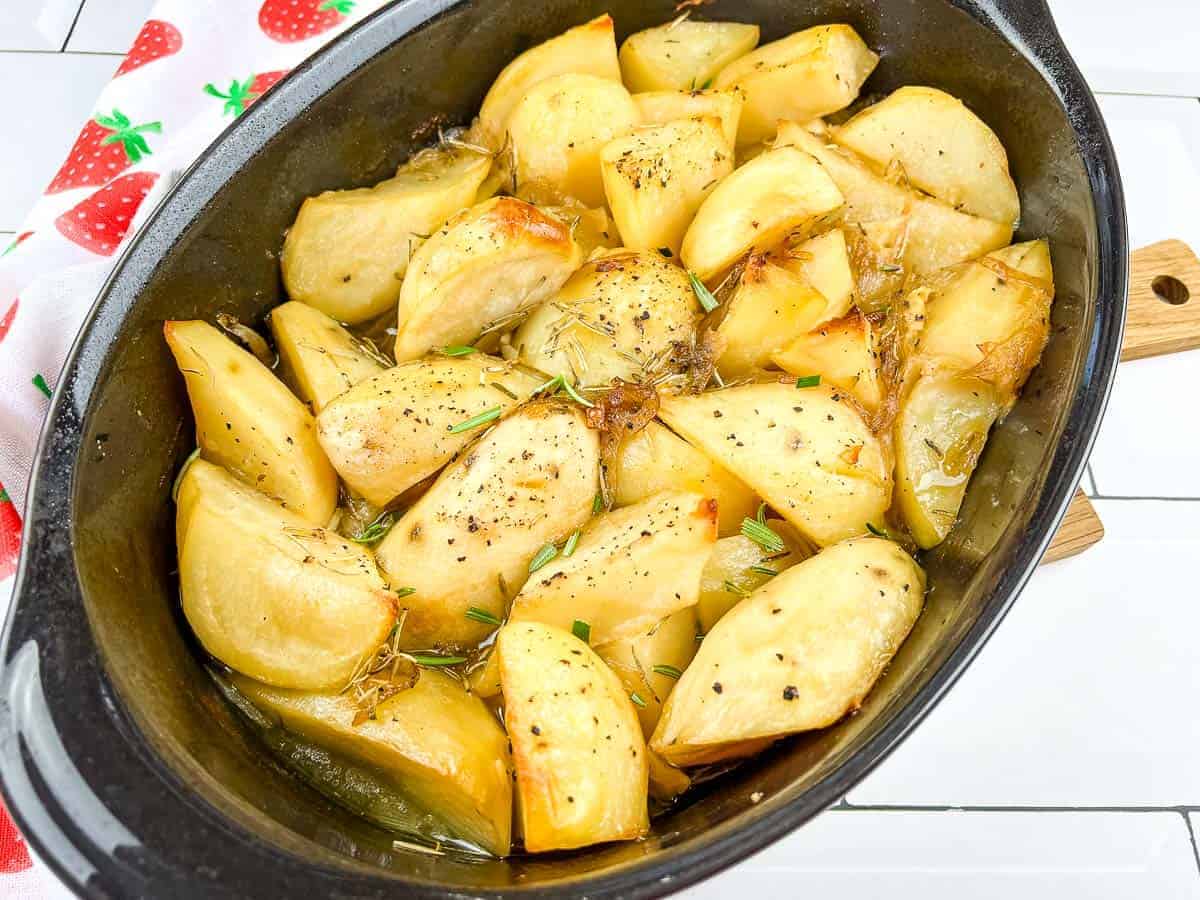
(194, 67)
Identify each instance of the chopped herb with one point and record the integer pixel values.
(476, 614)
(875, 531)
(458, 350)
(547, 553)
(581, 630)
(404, 591)
(890, 267)
(707, 84)
(764, 570)
(666, 251)
(187, 464)
(637, 700)
(732, 588)
(559, 383)
(433, 660)
(571, 544)
(598, 504)
(488, 415)
(669, 671)
(807, 381)
(374, 532)
(760, 532)
(703, 294)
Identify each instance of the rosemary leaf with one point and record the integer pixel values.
(764, 570)
(433, 660)
(669, 671)
(547, 553)
(598, 504)
(761, 534)
(731, 588)
(404, 591)
(476, 614)
(374, 532)
(488, 415)
(703, 294)
(458, 350)
(637, 700)
(807, 381)
(875, 531)
(582, 630)
(571, 544)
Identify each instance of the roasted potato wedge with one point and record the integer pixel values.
(799, 653)
(319, 358)
(250, 423)
(488, 263)
(844, 352)
(270, 595)
(650, 663)
(469, 540)
(929, 233)
(557, 130)
(631, 568)
(945, 150)
(655, 460)
(588, 49)
(661, 107)
(803, 76)
(666, 781)
(656, 178)
(780, 192)
(393, 430)
(683, 55)
(941, 428)
(580, 756)
(738, 566)
(592, 229)
(992, 316)
(435, 742)
(347, 251)
(614, 316)
(768, 309)
(807, 452)
(824, 262)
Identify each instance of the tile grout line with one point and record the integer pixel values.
(1187, 821)
(71, 30)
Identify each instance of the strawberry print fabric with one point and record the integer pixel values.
(194, 67)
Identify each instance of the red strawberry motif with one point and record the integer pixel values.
(16, 243)
(242, 93)
(6, 322)
(99, 222)
(14, 855)
(156, 40)
(288, 21)
(106, 146)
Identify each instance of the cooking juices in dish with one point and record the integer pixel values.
(671, 378)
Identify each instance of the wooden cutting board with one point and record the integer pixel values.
(1163, 317)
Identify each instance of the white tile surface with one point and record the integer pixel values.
(1141, 451)
(981, 856)
(36, 24)
(1145, 49)
(1085, 695)
(109, 26)
(50, 119)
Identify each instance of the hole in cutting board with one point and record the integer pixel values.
(1171, 290)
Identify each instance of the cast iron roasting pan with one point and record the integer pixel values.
(126, 770)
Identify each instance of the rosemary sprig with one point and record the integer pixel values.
(488, 415)
(703, 294)
(560, 383)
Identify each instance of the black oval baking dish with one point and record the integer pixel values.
(125, 768)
